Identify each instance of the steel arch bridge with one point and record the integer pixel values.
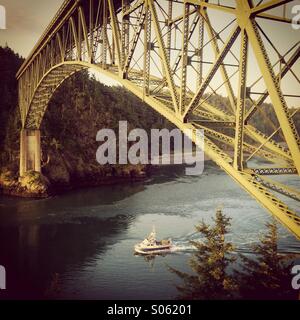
(176, 56)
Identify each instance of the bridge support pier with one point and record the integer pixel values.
(30, 151)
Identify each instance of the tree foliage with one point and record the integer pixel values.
(268, 275)
(265, 274)
(211, 278)
(77, 111)
(9, 111)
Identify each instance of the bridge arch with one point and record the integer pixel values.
(110, 36)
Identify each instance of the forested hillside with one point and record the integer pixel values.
(9, 112)
(78, 110)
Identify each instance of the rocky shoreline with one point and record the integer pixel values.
(36, 185)
(39, 186)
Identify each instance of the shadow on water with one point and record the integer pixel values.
(41, 238)
(169, 173)
(33, 253)
(83, 240)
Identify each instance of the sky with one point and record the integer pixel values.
(27, 19)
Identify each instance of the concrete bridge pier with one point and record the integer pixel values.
(30, 151)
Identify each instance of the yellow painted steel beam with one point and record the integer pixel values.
(268, 6)
(75, 36)
(116, 33)
(272, 171)
(47, 67)
(147, 49)
(61, 48)
(44, 38)
(205, 4)
(285, 215)
(215, 67)
(280, 107)
(85, 33)
(200, 51)
(258, 104)
(268, 143)
(180, 17)
(216, 50)
(133, 8)
(274, 18)
(241, 104)
(184, 58)
(279, 187)
(219, 113)
(125, 32)
(164, 56)
(230, 141)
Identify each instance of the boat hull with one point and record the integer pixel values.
(155, 250)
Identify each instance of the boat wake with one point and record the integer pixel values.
(182, 246)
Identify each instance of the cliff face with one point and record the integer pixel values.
(78, 110)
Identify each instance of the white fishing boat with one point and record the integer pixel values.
(152, 246)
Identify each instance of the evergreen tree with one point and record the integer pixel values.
(9, 65)
(210, 264)
(269, 275)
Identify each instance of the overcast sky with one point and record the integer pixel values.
(26, 21)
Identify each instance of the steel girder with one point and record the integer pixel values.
(137, 44)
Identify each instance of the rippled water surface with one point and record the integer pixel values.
(80, 244)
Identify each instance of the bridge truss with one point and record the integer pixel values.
(178, 56)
